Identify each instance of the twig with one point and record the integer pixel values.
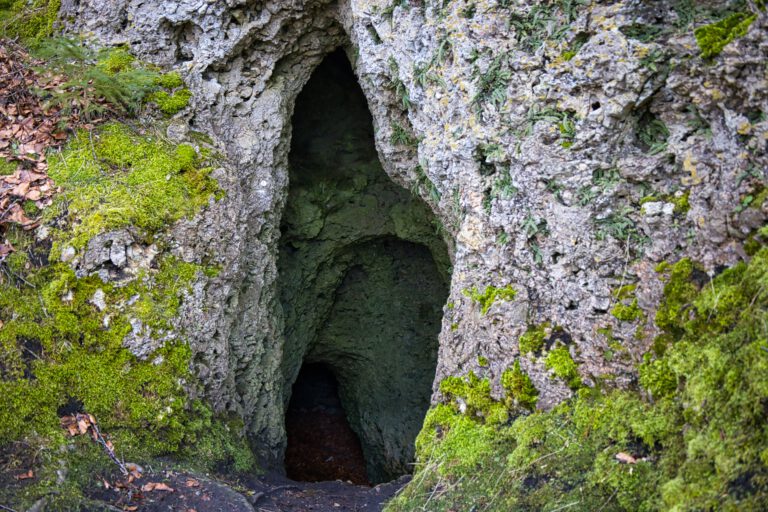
(110, 451)
(8, 509)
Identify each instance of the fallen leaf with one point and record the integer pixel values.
(626, 458)
(131, 508)
(26, 476)
(156, 486)
(191, 482)
(134, 469)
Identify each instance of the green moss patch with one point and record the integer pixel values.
(490, 295)
(533, 339)
(28, 20)
(520, 389)
(114, 178)
(714, 37)
(559, 360)
(693, 439)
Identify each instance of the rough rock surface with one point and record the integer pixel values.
(538, 145)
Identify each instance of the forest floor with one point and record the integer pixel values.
(179, 491)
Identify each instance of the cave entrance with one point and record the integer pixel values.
(321, 444)
(362, 277)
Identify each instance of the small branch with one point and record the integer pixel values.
(109, 450)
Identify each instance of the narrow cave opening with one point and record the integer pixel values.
(321, 443)
(362, 276)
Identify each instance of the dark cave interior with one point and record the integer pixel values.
(363, 277)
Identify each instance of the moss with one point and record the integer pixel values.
(696, 433)
(57, 346)
(714, 37)
(170, 80)
(462, 442)
(471, 395)
(626, 291)
(7, 167)
(116, 60)
(533, 339)
(171, 103)
(482, 361)
(116, 178)
(679, 290)
(30, 20)
(627, 312)
(656, 376)
(682, 202)
(520, 389)
(559, 360)
(490, 295)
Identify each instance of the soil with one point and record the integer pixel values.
(266, 493)
(180, 491)
(321, 444)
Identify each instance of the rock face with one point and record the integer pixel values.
(564, 157)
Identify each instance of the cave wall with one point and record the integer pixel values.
(362, 275)
(536, 152)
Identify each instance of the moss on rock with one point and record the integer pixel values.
(559, 360)
(533, 339)
(115, 177)
(700, 444)
(714, 37)
(520, 389)
(490, 295)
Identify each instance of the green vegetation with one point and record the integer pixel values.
(114, 178)
(652, 133)
(492, 83)
(471, 396)
(559, 360)
(699, 444)
(490, 295)
(107, 81)
(533, 339)
(171, 103)
(397, 85)
(501, 188)
(62, 335)
(520, 389)
(403, 136)
(423, 181)
(544, 21)
(714, 37)
(627, 309)
(30, 20)
(627, 312)
(602, 181)
(620, 226)
(424, 72)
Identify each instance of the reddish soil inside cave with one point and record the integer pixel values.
(321, 444)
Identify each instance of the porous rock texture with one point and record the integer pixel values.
(536, 162)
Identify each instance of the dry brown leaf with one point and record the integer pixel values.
(156, 486)
(134, 469)
(25, 476)
(191, 482)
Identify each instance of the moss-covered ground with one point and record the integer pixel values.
(62, 335)
(692, 436)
